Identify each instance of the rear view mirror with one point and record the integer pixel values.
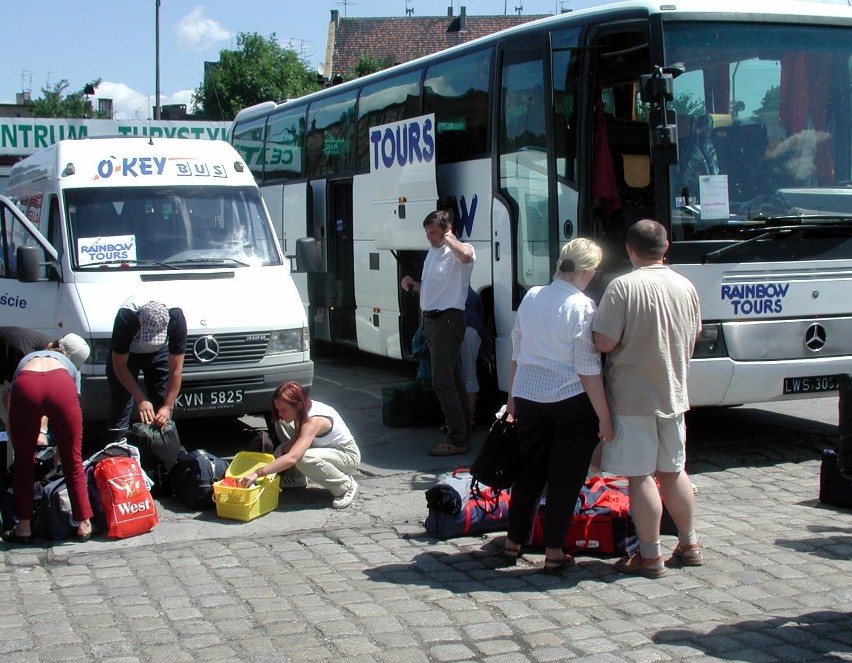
(28, 263)
(307, 254)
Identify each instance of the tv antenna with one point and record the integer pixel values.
(409, 11)
(26, 80)
(345, 4)
(519, 9)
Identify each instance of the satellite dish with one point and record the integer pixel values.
(320, 68)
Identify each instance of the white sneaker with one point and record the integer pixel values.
(343, 501)
(292, 479)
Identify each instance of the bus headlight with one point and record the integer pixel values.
(711, 342)
(288, 340)
(100, 351)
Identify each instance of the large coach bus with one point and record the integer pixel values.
(729, 122)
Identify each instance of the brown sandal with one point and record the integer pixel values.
(685, 555)
(511, 552)
(448, 449)
(554, 566)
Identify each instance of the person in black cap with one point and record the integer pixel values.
(147, 336)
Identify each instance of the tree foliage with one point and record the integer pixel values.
(55, 103)
(368, 64)
(260, 69)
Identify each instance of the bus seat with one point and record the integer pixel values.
(637, 170)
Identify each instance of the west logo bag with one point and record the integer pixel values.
(128, 506)
(497, 463)
(192, 477)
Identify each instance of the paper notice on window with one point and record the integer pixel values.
(713, 193)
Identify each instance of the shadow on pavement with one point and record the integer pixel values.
(751, 640)
(831, 543)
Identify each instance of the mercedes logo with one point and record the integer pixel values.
(815, 337)
(206, 349)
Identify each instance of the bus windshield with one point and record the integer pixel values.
(763, 117)
(169, 227)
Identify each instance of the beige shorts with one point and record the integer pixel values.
(643, 445)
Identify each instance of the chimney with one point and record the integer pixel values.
(463, 20)
(450, 11)
(335, 18)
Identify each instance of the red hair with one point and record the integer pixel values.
(294, 394)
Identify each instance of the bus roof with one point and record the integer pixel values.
(745, 10)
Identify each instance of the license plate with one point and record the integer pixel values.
(811, 385)
(210, 399)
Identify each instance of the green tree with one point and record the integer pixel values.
(771, 101)
(55, 103)
(260, 69)
(369, 64)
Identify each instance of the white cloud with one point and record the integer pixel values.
(128, 104)
(196, 32)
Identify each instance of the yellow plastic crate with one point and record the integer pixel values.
(246, 504)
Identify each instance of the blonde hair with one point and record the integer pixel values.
(577, 255)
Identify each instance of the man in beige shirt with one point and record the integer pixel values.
(648, 322)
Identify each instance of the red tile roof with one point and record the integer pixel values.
(408, 38)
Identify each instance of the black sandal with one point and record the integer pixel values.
(12, 536)
(511, 553)
(554, 566)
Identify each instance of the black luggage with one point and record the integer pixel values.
(158, 451)
(192, 477)
(834, 488)
(52, 518)
(410, 404)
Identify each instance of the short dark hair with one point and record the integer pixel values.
(441, 217)
(648, 239)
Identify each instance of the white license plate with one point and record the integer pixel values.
(811, 385)
(211, 399)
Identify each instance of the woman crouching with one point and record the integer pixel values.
(321, 448)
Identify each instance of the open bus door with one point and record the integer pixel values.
(332, 287)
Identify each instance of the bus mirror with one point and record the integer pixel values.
(307, 254)
(664, 144)
(28, 263)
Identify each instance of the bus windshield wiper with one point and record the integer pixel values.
(774, 231)
(209, 261)
(128, 262)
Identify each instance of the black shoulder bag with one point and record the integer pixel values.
(497, 464)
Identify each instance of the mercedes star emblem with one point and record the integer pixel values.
(815, 337)
(206, 349)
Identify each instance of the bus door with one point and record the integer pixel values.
(341, 262)
(525, 235)
(616, 178)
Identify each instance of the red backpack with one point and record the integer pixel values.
(128, 506)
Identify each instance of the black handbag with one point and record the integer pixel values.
(498, 461)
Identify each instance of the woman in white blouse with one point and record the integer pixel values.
(556, 396)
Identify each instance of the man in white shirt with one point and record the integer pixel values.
(443, 292)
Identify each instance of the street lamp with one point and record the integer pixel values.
(157, 58)
(89, 90)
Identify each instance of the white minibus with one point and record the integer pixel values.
(86, 224)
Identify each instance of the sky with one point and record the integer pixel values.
(115, 40)
(46, 41)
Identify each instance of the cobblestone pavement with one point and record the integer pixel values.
(308, 583)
